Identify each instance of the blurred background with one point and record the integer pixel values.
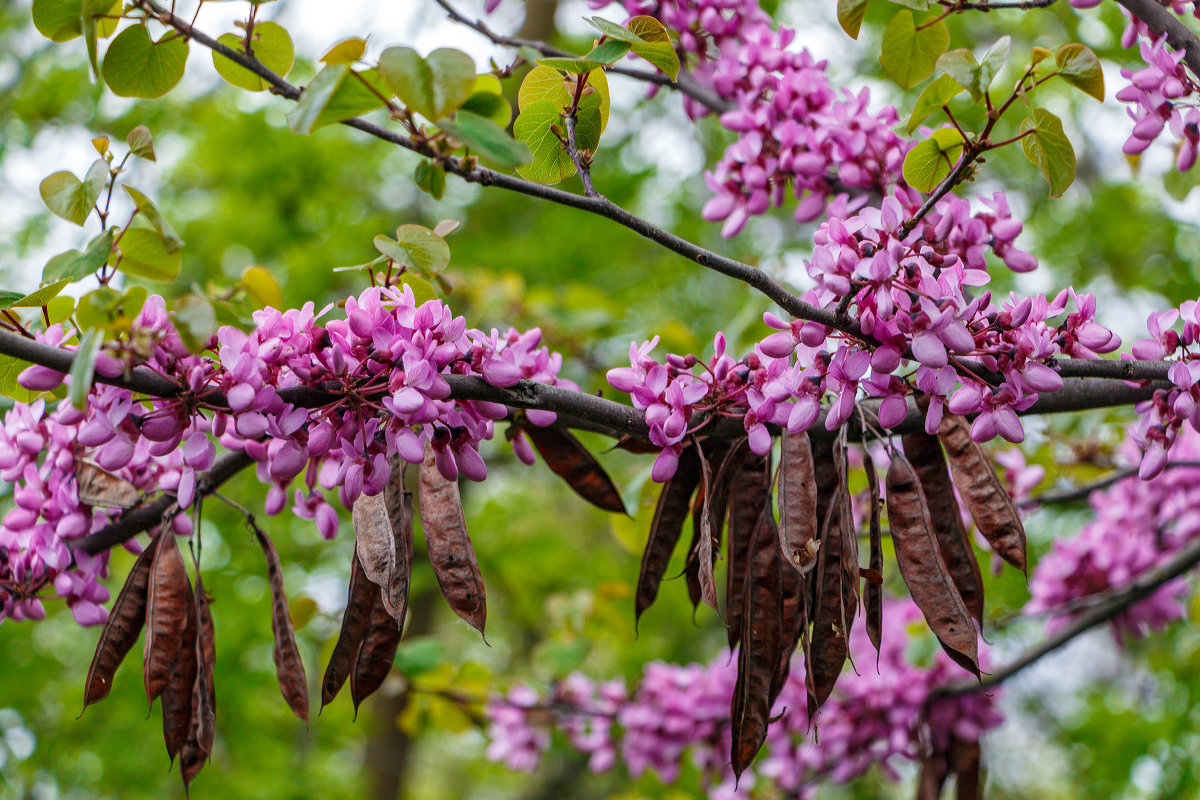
(242, 189)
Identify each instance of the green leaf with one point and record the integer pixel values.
(59, 309)
(347, 51)
(430, 179)
(1050, 150)
(135, 66)
(655, 46)
(416, 247)
(144, 254)
(1180, 184)
(487, 100)
(98, 307)
(353, 98)
(260, 284)
(937, 94)
(83, 369)
(910, 55)
(62, 20)
(486, 139)
(41, 297)
(70, 198)
(272, 46)
(141, 143)
(961, 65)
(195, 320)
(574, 66)
(543, 83)
(147, 209)
(422, 289)
(613, 31)
(7, 298)
(74, 265)
(540, 126)
(850, 14)
(928, 164)
(1079, 67)
(434, 86)
(608, 52)
(993, 61)
(315, 96)
(1038, 55)
(916, 5)
(10, 368)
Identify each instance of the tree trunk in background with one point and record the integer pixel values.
(389, 748)
(539, 20)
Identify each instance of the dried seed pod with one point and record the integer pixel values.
(665, 530)
(748, 496)
(571, 461)
(925, 454)
(177, 695)
(449, 544)
(874, 599)
(355, 621)
(798, 525)
(167, 603)
(375, 656)
(289, 667)
(122, 629)
(828, 648)
(993, 510)
(923, 568)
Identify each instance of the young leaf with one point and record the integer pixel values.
(135, 66)
(360, 599)
(166, 614)
(449, 545)
(488, 101)
(993, 61)
(941, 91)
(145, 254)
(289, 668)
(486, 139)
(572, 66)
(923, 568)
(665, 530)
(1050, 150)
(608, 53)
(74, 265)
(986, 498)
(39, 298)
(315, 96)
(964, 69)
(270, 44)
(260, 284)
(453, 80)
(141, 143)
(170, 239)
(850, 15)
(909, 55)
(571, 461)
(195, 320)
(84, 367)
(612, 30)
(121, 631)
(435, 86)
(928, 164)
(1078, 66)
(542, 83)
(347, 51)
(655, 45)
(70, 198)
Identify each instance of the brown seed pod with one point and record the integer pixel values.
(571, 461)
(665, 530)
(449, 545)
(355, 620)
(289, 667)
(122, 629)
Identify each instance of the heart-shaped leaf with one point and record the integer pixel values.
(70, 198)
(136, 66)
(1078, 66)
(272, 47)
(910, 53)
(928, 164)
(1050, 150)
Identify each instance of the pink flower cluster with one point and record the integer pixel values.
(1155, 92)
(332, 404)
(922, 328)
(1137, 525)
(874, 717)
(798, 137)
(1163, 416)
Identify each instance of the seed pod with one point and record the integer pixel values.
(759, 655)
(923, 568)
(798, 503)
(874, 597)
(177, 695)
(828, 649)
(289, 667)
(571, 461)
(925, 454)
(665, 530)
(121, 631)
(167, 602)
(355, 620)
(748, 496)
(993, 510)
(375, 656)
(449, 545)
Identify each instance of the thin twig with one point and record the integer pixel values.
(1118, 601)
(1083, 492)
(581, 163)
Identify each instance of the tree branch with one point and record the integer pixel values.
(1160, 21)
(1119, 600)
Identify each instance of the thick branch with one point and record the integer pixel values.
(146, 516)
(1141, 587)
(1160, 20)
